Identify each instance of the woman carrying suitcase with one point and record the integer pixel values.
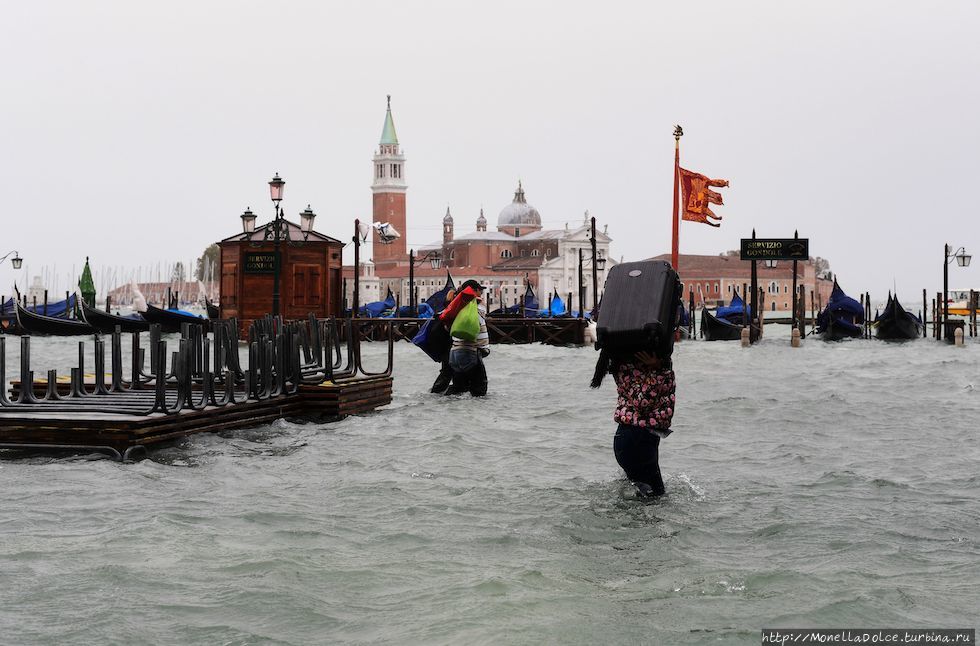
(644, 409)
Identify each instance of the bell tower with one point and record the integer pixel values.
(389, 190)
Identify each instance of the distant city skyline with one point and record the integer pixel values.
(137, 134)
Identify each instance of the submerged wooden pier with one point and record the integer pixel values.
(298, 370)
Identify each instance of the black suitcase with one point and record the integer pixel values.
(639, 309)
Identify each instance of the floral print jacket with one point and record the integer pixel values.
(646, 396)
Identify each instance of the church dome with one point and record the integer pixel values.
(519, 213)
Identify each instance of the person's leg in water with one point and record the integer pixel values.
(445, 377)
(478, 379)
(637, 452)
(462, 363)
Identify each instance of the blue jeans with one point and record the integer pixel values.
(637, 451)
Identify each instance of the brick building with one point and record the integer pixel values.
(516, 252)
(715, 279)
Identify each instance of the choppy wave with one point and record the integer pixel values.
(831, 485)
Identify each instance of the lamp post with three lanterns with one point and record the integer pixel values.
(277, 231)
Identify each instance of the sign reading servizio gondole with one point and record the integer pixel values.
(775, 248)
(260, 263)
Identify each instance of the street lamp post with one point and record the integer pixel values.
(276, 232)
(16, 261)
(962, 260)
(435, 259)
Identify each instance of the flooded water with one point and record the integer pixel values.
(832, 485)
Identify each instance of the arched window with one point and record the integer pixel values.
(452, 254)
(773, 287)
(523, 252)
(716, 288)
(729, 289)
(535, 252)
(547, 253)
(774, 306)
(506, 254)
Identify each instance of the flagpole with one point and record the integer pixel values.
(674, 251)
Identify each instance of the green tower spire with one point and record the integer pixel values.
(87, 286)
(388, 135)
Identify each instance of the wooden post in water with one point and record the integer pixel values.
(690, 315)
(45, 302)
(813, 312)
(864, 310)
(762, 310)
(802, 311)
(973, 313)
(939, 314)
(973, 307)
(925, 308)
(745, 304)
(867, 315)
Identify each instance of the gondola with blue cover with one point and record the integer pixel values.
(843, 318)
(170, 320)
(378, 309)
(726, 323)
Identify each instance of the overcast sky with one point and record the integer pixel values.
(137, 132)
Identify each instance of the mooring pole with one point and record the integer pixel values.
(754, 297)
(925, 308)
(357, 268)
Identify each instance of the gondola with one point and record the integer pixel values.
(897, 324)
(718, 329)
(843, 317)
(171, 320)
(726, 323)
(106, 322)
(31, 323)
(214, 312)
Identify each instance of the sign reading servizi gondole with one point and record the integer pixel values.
(775, 248)
(260, 263)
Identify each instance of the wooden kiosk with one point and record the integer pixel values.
(309, 266)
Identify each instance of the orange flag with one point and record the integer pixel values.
(698, 196)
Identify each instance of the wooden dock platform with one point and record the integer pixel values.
(295, 371)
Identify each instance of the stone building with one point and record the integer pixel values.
(516, 252)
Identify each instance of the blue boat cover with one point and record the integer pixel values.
(183, 312)
(557, 305)
(840, 304)
(438, 300)
(735, 308)
(56, 309)
(378, 308)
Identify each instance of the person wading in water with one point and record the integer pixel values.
(466, 357)
(644, 409)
